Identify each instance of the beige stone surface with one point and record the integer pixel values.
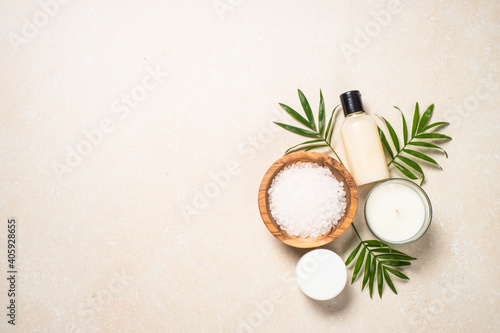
(116, 115)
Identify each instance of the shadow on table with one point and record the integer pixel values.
(335, 305)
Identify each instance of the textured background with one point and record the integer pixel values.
(128, 231)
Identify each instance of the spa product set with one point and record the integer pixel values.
(307, 199)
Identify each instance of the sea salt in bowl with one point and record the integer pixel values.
(339, 172)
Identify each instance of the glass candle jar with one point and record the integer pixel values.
(398, 211)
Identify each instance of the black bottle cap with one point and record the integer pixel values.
(351, 102)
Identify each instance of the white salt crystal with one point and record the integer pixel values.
(306, 200)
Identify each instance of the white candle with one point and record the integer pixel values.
(321, 274)
(397, 211)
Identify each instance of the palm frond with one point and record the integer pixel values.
(405, 159)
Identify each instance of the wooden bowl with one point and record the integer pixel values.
(342, 175)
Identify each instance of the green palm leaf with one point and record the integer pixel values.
(295, 115)
(366, 276)
(329, 131)
(353, 254)
(412, 164)
(405, 126)
(358, 265)
(303, 144)
(315, 147)
(396, 263)
(321, 113)
(380, 279)
(439, 123)
(377, 243)
(297, 130)
(386, 250)
(421, 156)
(389, 281)
(416, 117)
(404, 170)
(432, 136)
(307, 110)
(395, 256)
(373, 271)
(425, 118)
(385, 143)
(428, 145)
(393, 134)
(397, 273)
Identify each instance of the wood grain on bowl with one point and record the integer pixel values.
(342, 175)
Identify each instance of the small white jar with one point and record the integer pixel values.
(321, 274)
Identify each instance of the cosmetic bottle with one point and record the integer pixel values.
(362, 144)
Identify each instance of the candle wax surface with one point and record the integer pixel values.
(395, 212)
